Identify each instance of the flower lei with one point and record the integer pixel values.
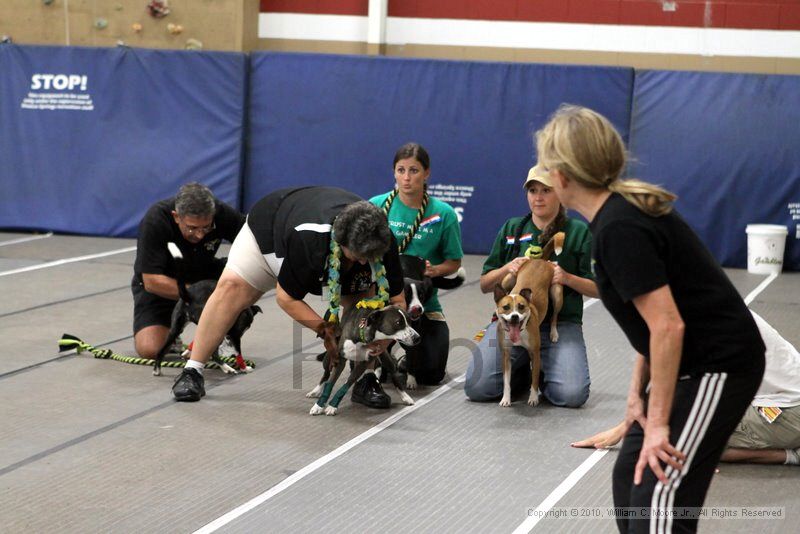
(382, 299)
(335, 287)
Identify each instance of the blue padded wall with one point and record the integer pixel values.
(317, 119)
(158, 119)
(725, 143)
(729, 146)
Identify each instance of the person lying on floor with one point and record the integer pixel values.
(769, 432)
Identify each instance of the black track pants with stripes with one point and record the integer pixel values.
(705, 411)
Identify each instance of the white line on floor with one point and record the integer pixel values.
(313, 466)
(26, 239)
(595, 457)
(560, 491)
(761, 287)
(310, 468)
(66, 260)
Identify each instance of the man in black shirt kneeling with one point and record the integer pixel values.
(197, 223)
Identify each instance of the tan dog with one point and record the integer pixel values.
(521, 306)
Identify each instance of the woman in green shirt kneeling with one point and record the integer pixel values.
(565, 368)
(426, 227)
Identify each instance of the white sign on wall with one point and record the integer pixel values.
(52, 92)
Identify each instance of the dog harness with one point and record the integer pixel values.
(362, 329)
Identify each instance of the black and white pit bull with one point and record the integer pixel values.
(188, 309)
(418, 289)
(359, 328)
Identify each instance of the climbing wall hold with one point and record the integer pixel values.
(174, 29)
(194, 44)
(158, 8)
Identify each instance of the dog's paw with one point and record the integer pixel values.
(505, 402)
(533, 400)
(314, 393)
(316, 410)
(227, 369)
(157, 372)
(554, 335)
(406, 399)
(411, 382)
(330, 410)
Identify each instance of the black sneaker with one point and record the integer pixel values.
(188, 386)
(368, 391)
(384, 375)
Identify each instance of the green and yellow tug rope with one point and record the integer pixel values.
(70, 342)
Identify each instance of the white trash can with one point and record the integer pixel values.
(765, 246)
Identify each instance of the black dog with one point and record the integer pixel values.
(188, 309)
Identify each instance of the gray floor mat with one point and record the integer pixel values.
(96, 445)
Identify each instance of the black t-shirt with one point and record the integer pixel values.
(295, 225)
(158, 228)
(634, 253)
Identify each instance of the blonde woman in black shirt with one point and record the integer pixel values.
(700, 356)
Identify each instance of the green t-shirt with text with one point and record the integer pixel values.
(437, 239)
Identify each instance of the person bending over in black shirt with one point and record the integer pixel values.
(301, 241)
(197, 223)
(697, 344)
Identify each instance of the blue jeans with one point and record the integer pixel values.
(565, 368)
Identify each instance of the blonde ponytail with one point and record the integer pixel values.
(651, 199)
(586, 148)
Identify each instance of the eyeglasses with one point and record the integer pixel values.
(192, 230)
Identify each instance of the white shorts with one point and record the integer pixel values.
(245, 259)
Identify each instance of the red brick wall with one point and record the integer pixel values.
(747, 14)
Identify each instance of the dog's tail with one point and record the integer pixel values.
(452, 281)
(178, 256)
(555, 244)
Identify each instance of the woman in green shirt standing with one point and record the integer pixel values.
(565, 367)
(426, 227)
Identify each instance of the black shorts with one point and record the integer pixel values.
(150, 309)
